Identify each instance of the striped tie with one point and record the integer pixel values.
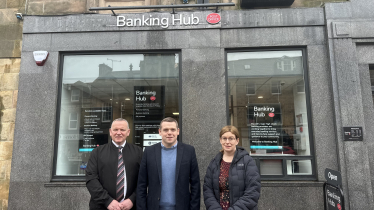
(120, 176)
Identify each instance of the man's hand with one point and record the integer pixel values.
(126, 204)
(114, 205)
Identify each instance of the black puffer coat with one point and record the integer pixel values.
(244, 182)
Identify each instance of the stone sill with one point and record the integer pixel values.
(65, 184)
(291, 184)
(263, 184)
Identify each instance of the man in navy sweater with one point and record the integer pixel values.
(170, 172)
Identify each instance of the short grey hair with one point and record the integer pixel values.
(120, 119)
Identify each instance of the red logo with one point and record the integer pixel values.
(213, 18)
(271, 114)
(339, 206)
(153, 98)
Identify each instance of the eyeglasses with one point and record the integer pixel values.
(230, 139)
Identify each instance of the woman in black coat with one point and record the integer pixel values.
(232, 181)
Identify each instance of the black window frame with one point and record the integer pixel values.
(258, 158)
(62, 54)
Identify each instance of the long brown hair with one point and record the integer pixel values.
(229, 128)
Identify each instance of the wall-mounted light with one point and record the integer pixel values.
(40, 57)
(19, 16)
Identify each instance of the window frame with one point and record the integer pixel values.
(257, 158)
(107, 113)
(62, 54)
(70, 120)
(72, 96)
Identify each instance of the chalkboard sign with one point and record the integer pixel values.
(334, 199)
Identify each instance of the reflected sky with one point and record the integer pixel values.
(264, 54)
(86, 67)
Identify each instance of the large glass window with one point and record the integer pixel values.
(96, 89)
(268, 104)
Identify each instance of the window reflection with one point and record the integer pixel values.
(99, 88)
(268, 102)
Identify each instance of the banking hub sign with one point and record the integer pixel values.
(164, 22)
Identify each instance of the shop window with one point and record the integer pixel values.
(142, 88)
(272, 113)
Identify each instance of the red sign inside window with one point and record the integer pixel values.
(213, 18)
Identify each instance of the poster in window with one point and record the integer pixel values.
(94, 128)
(149, 110)
(149, 103)
(146, 134)
(265, 125)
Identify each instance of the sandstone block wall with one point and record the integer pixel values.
(9, 69)
(10, 59)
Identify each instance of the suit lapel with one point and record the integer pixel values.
(158, 160)
(179, 160)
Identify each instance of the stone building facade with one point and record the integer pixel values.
(338, 40)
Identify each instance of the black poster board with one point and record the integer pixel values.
(146, 134)
(149, 110)
(149, 103)
(265, 125)
(95, 131)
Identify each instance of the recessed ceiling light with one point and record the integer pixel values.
(127, 99)
(175, 113)
(260, 97)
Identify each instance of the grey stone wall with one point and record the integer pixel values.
(350, 29)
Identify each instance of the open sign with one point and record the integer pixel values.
(213, 18)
